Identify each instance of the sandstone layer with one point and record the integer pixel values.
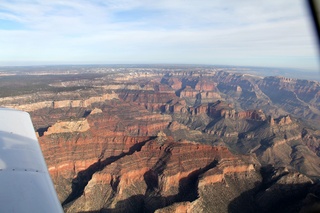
(177, 140)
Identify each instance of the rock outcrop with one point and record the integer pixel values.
(159, 140)
(68, 126)
(103, 154)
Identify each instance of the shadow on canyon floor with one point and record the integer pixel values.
(267, 196)
(152, 200)
(270, 196)
(83, 177)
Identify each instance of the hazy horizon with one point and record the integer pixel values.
(247, 33)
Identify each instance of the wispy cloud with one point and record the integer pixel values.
(140, 31)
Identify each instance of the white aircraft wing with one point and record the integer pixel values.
(25, 184)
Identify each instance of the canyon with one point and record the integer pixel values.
(176, 139)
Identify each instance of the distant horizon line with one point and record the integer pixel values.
(156, 64)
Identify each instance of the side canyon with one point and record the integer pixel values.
(176, 139)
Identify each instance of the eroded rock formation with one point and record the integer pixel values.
(160, 141)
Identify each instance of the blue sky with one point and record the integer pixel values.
(275, 33)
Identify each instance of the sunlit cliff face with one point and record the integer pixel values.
(170, 141)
